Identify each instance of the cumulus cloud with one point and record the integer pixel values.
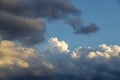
(57, 62)
(56, 46)
(17, 61)
(106, 51)
(84, 63)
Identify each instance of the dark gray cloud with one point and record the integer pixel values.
(80, 28)
(51, 9)
(18, 18)
(16, 27)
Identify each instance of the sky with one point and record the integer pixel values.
(104, 13)
(59, 40)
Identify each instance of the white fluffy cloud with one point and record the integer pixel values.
(86, 62)
(11, 55)
(19, 60)
(56, 59)
(106, 51)
(56, 46)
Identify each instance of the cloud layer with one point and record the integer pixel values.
(57, 62)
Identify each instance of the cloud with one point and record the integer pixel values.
(80, 28)
(84, 63)
(57, 62)
(17, 27)
(22, 20)
(17, 61)
(56, 46)
(44, 8)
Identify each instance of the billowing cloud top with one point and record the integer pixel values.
(57, 62)
(56, 46)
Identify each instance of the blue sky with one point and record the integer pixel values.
(105, 13)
